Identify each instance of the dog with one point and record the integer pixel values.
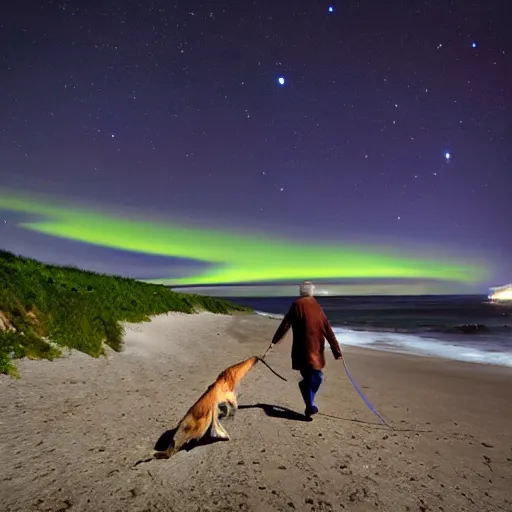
(218, 401)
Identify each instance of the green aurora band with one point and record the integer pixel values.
(235, 258)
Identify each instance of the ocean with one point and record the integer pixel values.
(462, 328)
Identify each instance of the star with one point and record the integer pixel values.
(139, 85)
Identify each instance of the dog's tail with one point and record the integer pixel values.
(270, 368)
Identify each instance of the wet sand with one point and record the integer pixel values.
(71, 430)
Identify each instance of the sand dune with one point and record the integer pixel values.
(71, 429)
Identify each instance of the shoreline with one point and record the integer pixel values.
(72, 429)
(418, 344)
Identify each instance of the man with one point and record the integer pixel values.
(310, 327)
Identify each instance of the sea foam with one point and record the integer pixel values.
(270, 315)
(425, 346)
(488, 353)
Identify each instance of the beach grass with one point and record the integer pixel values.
(46, 308)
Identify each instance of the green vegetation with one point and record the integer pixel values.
(46, 307)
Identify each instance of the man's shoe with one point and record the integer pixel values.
(310, 411)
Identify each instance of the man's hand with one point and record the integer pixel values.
(338, 357)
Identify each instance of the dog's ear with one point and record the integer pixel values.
(165, 440)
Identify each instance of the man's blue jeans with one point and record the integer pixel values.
(309, 386)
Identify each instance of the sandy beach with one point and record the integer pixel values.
(71, 430)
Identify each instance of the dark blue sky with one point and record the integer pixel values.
(176, 108)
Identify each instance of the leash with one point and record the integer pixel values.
(356, 387)
(271, 369)
(363, 396)
(267, 351)
(262, 359)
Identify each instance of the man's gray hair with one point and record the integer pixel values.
(307, 288)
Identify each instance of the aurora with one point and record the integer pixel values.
(232, 257)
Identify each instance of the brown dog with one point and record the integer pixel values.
(204, 414)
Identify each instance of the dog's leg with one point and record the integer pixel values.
(231, 405)
(217, 430)
(224, 435)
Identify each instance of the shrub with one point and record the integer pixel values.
(78, 309)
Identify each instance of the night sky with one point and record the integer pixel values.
(383, 122)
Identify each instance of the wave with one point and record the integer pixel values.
(468, 350)
(489, 353)
(475, 329)
(439, 329)
(275, 316)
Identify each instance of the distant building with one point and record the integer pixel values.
(501, 293)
